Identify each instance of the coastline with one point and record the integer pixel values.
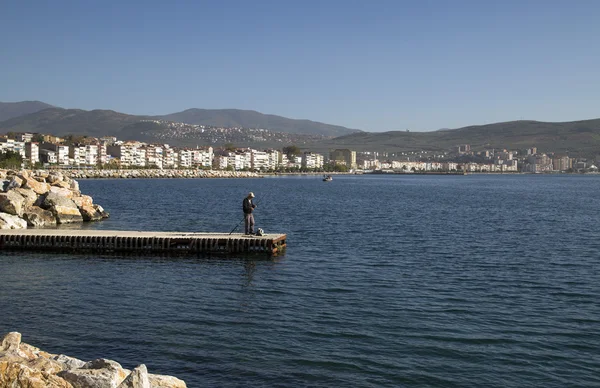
(155, 173)
(23, 365)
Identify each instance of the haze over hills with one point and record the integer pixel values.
(575, 137)
(578, 138)
(8, 110)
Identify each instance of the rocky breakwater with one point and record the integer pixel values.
(40, 198)
(23, 365)
(157, 173)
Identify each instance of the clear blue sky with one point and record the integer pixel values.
(371, 65)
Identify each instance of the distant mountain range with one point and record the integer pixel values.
(40, 117)
(8, 110)
(577, 138)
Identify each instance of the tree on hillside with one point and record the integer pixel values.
(229, 147)
(292, 151)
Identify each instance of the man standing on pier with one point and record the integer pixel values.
(248, 208)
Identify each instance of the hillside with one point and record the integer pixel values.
(97, 123)
(8, 110)
(251, 119)
(576, 138)
(58, 121)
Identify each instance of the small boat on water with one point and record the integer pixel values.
(327, 178)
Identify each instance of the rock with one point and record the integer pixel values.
(11, 342)
(11, 183)
(101, 210)
(46, 365)
(61, 191)
(66, 214)
(99, 373)
(38, 187)
(54, 177)
(69, 362)
(13, 374)
(89, 213)
(138, 378)
(9, 221)
(12, 202)
(38, 217)
(62, 184)
(161, 381)
(83, 200)
(29, 195)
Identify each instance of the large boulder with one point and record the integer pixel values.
(69, 362)
(9, 221)
(89, 213)
(99, 373)
(161, 381)
(54, 177)
(11, 342)
(38, 217)
(38, 187)
(83, 200)
(12, 202)
(12, 182)
(29, 195)
(63, 208)
(63, 192)
(14, 374)
(138, 378)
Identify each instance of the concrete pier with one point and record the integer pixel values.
(107, 241)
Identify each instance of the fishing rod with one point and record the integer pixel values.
(243, 218)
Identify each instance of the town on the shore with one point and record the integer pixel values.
(35, 150)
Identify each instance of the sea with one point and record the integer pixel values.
(387, 281)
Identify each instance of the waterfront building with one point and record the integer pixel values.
(169, 157)
(343, 156)
(203, 157)
(562, 163)
(312, 160)
(154, 156)
(184, 158)
(259, 160)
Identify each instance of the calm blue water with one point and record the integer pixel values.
(392, 281)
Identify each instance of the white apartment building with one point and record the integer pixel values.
(312, 160)
(77, 155)
(12, 145)
(259, 160)
(169, 157)
(239, 160)
(154, 156)
(185, 158)
(32, 152)
(220, 162)
(203, 157)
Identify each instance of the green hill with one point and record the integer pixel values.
(251, 119)
(8, 110)
(576, 138)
